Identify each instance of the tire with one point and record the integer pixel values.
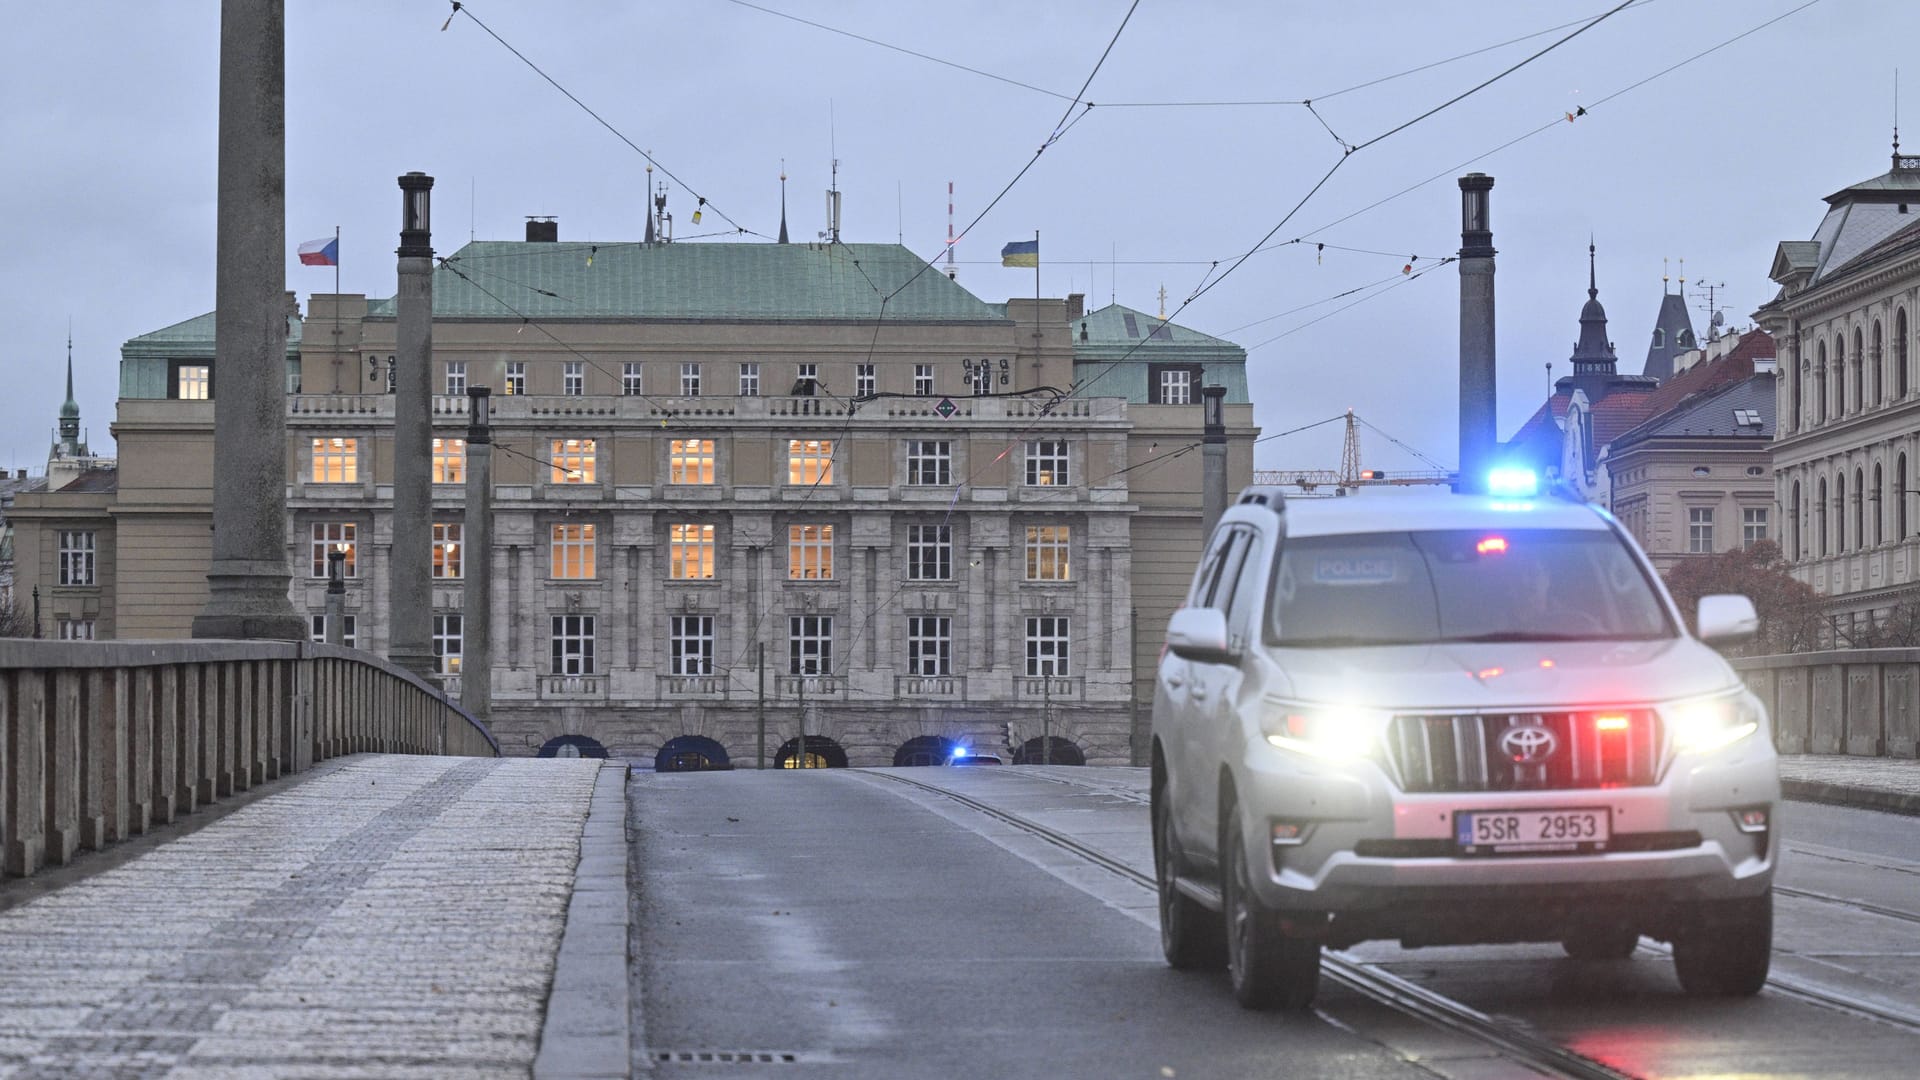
(1602, 942)
(1267, 968)
(1191, 936)
(1724, 949)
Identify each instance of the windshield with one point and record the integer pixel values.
(1493, 585)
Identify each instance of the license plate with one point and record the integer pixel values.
(1495, 832)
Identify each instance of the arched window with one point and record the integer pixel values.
(1797, 509)
(1900, 497)
(1859, 383)
(1659, 338)
(1900, 353)
(1859, 508)
(1820, 374)
(1840, 379)
(1686, 339)
(1879, 503)
(1879, 366)
(1820, 517)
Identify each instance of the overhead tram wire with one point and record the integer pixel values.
(461, 8)
(1402, 280)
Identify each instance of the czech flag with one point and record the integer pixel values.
(324, 252)
(1021, 253)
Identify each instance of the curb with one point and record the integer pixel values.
(585, 1034)
(1892, 802)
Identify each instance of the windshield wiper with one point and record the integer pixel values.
(1337, 641)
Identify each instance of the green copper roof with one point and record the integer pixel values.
(1122, 326)
(1121, 342)
(511, 279)
(193, 338)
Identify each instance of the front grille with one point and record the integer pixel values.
(1464, 752)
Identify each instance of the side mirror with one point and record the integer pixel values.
(1727, 619)
(1200, 635)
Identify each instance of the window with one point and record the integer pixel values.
(446, 550)
(1840, 514)
(516, 377)
(1900, 353)
(1753, 525)
(691, 639)
(193, 382)
(319, 629)
(690, 553)
(1659, 338)
(690, 461)
(1820, 517)
(572, 548)
(930, 553)
(929, 461)
(923, 380)
(865, 383)
(333, 536)
(456, 377)
(336, 461)
(750, 380)
(572, 644)
(573, 378)
(630, 384)
(1700, 529)
(449, 461)
(810, 552)
(446, 644)
(809, 644)
(806, 377)
(810, 461)
(1046, 463)
(1900, 489)
(981, 377)
(1879, 514)
(572, 461)
(76, 557)
(929, 645)
(690, 379)
(1047, 644)
(1176, 387)
(1047, 552)
(76, 629)
(1859, 509)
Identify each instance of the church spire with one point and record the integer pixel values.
(1593, 355)
(69, 444)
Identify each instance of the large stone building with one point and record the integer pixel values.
(1849, 399)
(727, 477)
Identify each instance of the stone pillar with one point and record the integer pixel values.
(476, 661)
(247, 577)
(1479, 438)
(336, 596)
(1213, 458)
(410, 607)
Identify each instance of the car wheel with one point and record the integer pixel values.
(1601, 942)
(1268, 968)
(1190, 935)
(1724, 949)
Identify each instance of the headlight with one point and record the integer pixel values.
(1329, 731)
(1710, 723)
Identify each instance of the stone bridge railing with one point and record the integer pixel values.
(1845, 701)
(100, 740)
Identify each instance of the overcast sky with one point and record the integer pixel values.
(108, 125)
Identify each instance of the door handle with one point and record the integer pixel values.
(1199, 691)
(1176, 681)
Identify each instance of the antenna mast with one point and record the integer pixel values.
(833, 184)
(1714, 318)
(952, 273)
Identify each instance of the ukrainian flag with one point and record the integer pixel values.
(1021, 253)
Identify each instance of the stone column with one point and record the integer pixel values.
(410, 608)
(247, 578)
(1478, 436)
(476, 663)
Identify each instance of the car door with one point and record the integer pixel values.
(1241, 595)
(1177, 712)
(1211, 688)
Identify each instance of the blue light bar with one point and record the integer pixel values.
(1511, 480)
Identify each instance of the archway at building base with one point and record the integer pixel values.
(822, 753)
(925, 750)
(1035, 752)
(572, 746)
(691, 753)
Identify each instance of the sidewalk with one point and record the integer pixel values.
(1870, 783)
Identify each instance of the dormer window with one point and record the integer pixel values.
(1659, 338)
(1686, 339)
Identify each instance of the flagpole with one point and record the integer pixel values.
(1036, 308)
(337, 358)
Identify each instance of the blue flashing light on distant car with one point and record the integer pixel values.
(1512, 481)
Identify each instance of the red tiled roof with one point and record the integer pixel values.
(1545, 418)
(1735, 366)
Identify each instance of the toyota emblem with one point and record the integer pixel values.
(1528, 745)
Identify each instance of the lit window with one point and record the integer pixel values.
(1753, 525)
(449, 461)
(929, 461)
(930, 552)
(691, 639)
(690, 553)
(630, 384)
(76, 629)
(446, 644)
(923, 380)
(1046, 463)
(446, 550)
(810, 552)
(690, 461)
(809, 644)
(572, 549)
(573, 378)
(572, 461)
(929, 645)
(1047, 643)
(194, 382)
(1700, 529)
(333, 536)
(690, 379)
(572, 644)
(1047, 552)
(809, 461)
(336, 461)
(750, 380)
(319, 629)
(456, 377)
(1176, 388)
(865, 383)
(516, 382)
(76, 557)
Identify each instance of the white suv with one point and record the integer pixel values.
(1449, 720)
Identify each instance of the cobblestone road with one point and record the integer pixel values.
(394, 917)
